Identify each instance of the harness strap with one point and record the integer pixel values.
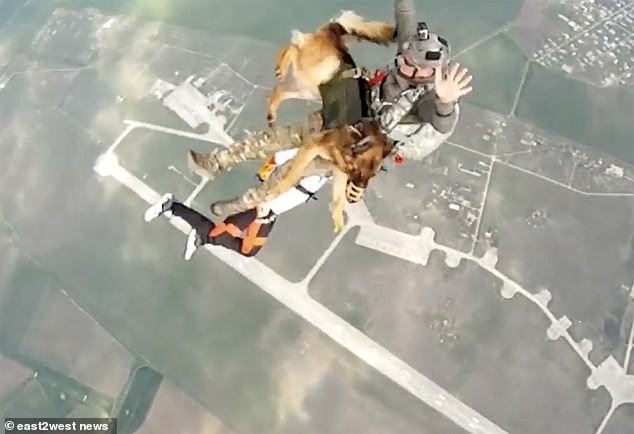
(304, 190)
(372, 78)
(351, 73)
(251, 238)
(223, 227)
(356, 73)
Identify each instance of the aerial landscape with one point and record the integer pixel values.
(488, 288)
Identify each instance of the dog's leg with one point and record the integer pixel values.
(282, 92)
(275, 98)
(285, 57)
(295, 170)
(339, 181)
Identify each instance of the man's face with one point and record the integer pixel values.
(408, 69)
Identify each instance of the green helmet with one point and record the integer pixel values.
(425, 49)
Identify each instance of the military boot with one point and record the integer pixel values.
(202, 164)
(250, 199)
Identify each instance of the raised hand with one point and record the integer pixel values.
(452, 85)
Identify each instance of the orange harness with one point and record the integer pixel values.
(223, 227)
(250, 238)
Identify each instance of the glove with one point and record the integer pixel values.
(266, 169)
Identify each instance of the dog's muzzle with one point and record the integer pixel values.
(353, 193)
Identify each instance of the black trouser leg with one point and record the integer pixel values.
(227, 241)
(203, 226)
(241, 220)
(195, 219)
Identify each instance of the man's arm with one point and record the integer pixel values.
(405, 19)
(443, 118)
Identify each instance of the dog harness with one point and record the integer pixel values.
(300, 193)
(345, 97)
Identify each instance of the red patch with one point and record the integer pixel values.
(398, 159)
(377, 77)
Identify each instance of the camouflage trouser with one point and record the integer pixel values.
(256, 146)
(258, 194)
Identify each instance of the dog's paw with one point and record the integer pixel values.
(270, 120)
(336, 228)
(337, 222)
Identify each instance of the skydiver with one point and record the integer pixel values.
(416, 101)
(244, 232)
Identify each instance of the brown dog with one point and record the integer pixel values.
(317, 57)
(356, 153)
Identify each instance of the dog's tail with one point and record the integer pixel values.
(286, 56)
(379, 32)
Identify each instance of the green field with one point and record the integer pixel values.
(459, 21)
(600, 118)
(497, 67)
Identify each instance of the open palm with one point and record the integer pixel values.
(452, 85)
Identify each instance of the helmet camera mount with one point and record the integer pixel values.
(422, 31)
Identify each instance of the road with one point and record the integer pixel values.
(413, 248)
(295, 297)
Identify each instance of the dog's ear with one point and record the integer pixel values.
(360, 146)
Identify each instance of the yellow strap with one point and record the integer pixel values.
(267, 168)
